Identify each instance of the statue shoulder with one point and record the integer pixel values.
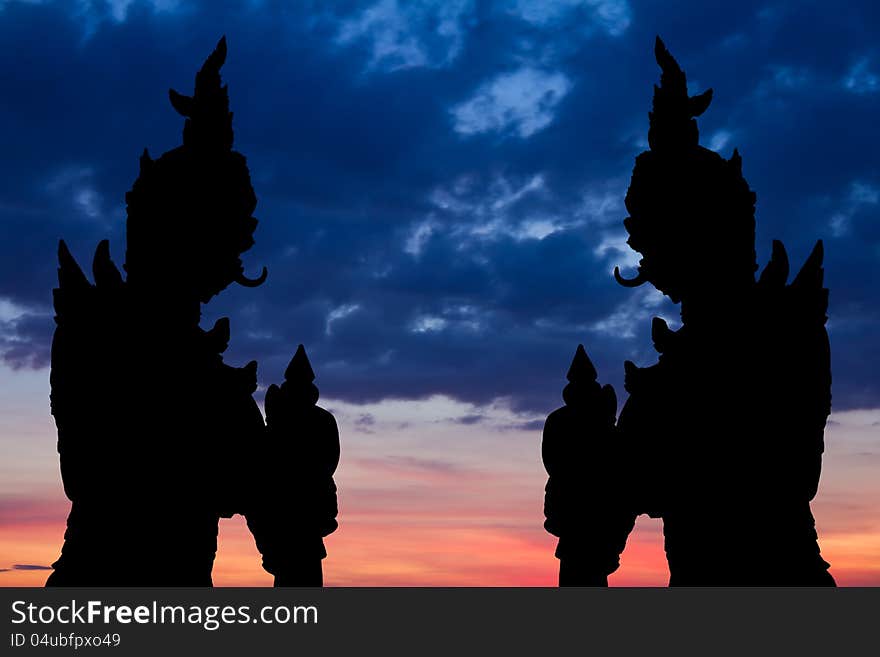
(801, 305)
(88, 347)
(792, 319)
(326, 420)
(558, 419)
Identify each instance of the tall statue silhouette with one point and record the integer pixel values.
(722, 437)
(158, 437)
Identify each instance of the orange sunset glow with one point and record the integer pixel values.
(466, 512)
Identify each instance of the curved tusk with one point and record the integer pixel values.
(244, 281)
(640, 278)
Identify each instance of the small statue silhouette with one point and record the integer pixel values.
(579, 442)
(303, 445)
(158, 438)
(722, 438)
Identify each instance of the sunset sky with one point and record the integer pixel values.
(440, 188)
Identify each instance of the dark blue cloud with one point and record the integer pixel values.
(440, 184)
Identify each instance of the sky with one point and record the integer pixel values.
(440, 188)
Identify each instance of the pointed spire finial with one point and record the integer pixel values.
(581, 370)
(208, 119)
(775, 274)
(811, 274)
(145, 162)
(672, 124)
(105, 272)
(300, 369)
(69, 272)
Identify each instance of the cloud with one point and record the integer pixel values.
(532, 425)
(364, 423)
(418, 237)
(28, 566)
(429, 323)
(631, 315)
(339, 313)
(25, 334)
(521, 102)
(612, 16)
(860, 79)
(790, 78)
(403, 466)
(403, 34)
(861, 195)
(75, 187)
(90, 14)
(468, 419)
(119, 9)
(465, 195)
(719, 140)
(472, 210)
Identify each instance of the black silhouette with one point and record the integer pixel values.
(158, 437)
(723, 436)
(580, 479)
(303, 443)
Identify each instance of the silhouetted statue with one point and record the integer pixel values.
(303, 445)
(158, 437)
(723, 436)
(579, 443)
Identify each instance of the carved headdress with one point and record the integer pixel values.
(692, 214)
(190, 211)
